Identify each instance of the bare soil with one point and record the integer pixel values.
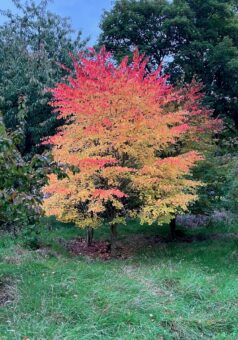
(98, 249)
(101, 249)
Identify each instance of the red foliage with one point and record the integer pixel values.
(122, 121)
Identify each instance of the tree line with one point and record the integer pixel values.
(195, 43)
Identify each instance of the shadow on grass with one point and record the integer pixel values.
(212, 247)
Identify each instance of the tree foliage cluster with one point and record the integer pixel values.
(20, 183)
(32, 43)
(192, 39)
(21, 180)
(128, 136)
(195, 38)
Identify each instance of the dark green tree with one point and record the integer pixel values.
(32, 43)
(20, 181)
(196, 38)
(132, 24)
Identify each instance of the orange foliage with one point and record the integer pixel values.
(124, 124)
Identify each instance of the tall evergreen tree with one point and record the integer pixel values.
(32, 42)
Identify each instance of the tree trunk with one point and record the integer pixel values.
(89, 236)
(113, 228)
(173, 229)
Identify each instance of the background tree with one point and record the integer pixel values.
(197, 38)
(20, 182)
(125, 138)
(136, 24)
(32, 42)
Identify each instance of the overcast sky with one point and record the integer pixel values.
(85, 14)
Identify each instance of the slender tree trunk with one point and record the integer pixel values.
(113, 228)
(172, 226)
(89, 236)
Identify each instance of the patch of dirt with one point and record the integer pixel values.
(98, 249)
(124, 248)
(8, 292)
(128, 247)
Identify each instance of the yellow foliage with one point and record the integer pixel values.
(124, 123)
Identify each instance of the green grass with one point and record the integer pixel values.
(166, 291)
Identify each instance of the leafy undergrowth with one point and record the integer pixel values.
(164, 290)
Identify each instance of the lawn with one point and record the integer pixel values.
(166, 290)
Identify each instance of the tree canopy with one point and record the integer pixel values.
(125, 126)
(32, 43)
(194, 38)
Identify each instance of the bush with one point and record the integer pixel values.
(20, 183)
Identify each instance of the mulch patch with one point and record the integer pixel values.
(98, 249)
(101, 249)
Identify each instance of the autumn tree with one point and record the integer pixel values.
(126, 142)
